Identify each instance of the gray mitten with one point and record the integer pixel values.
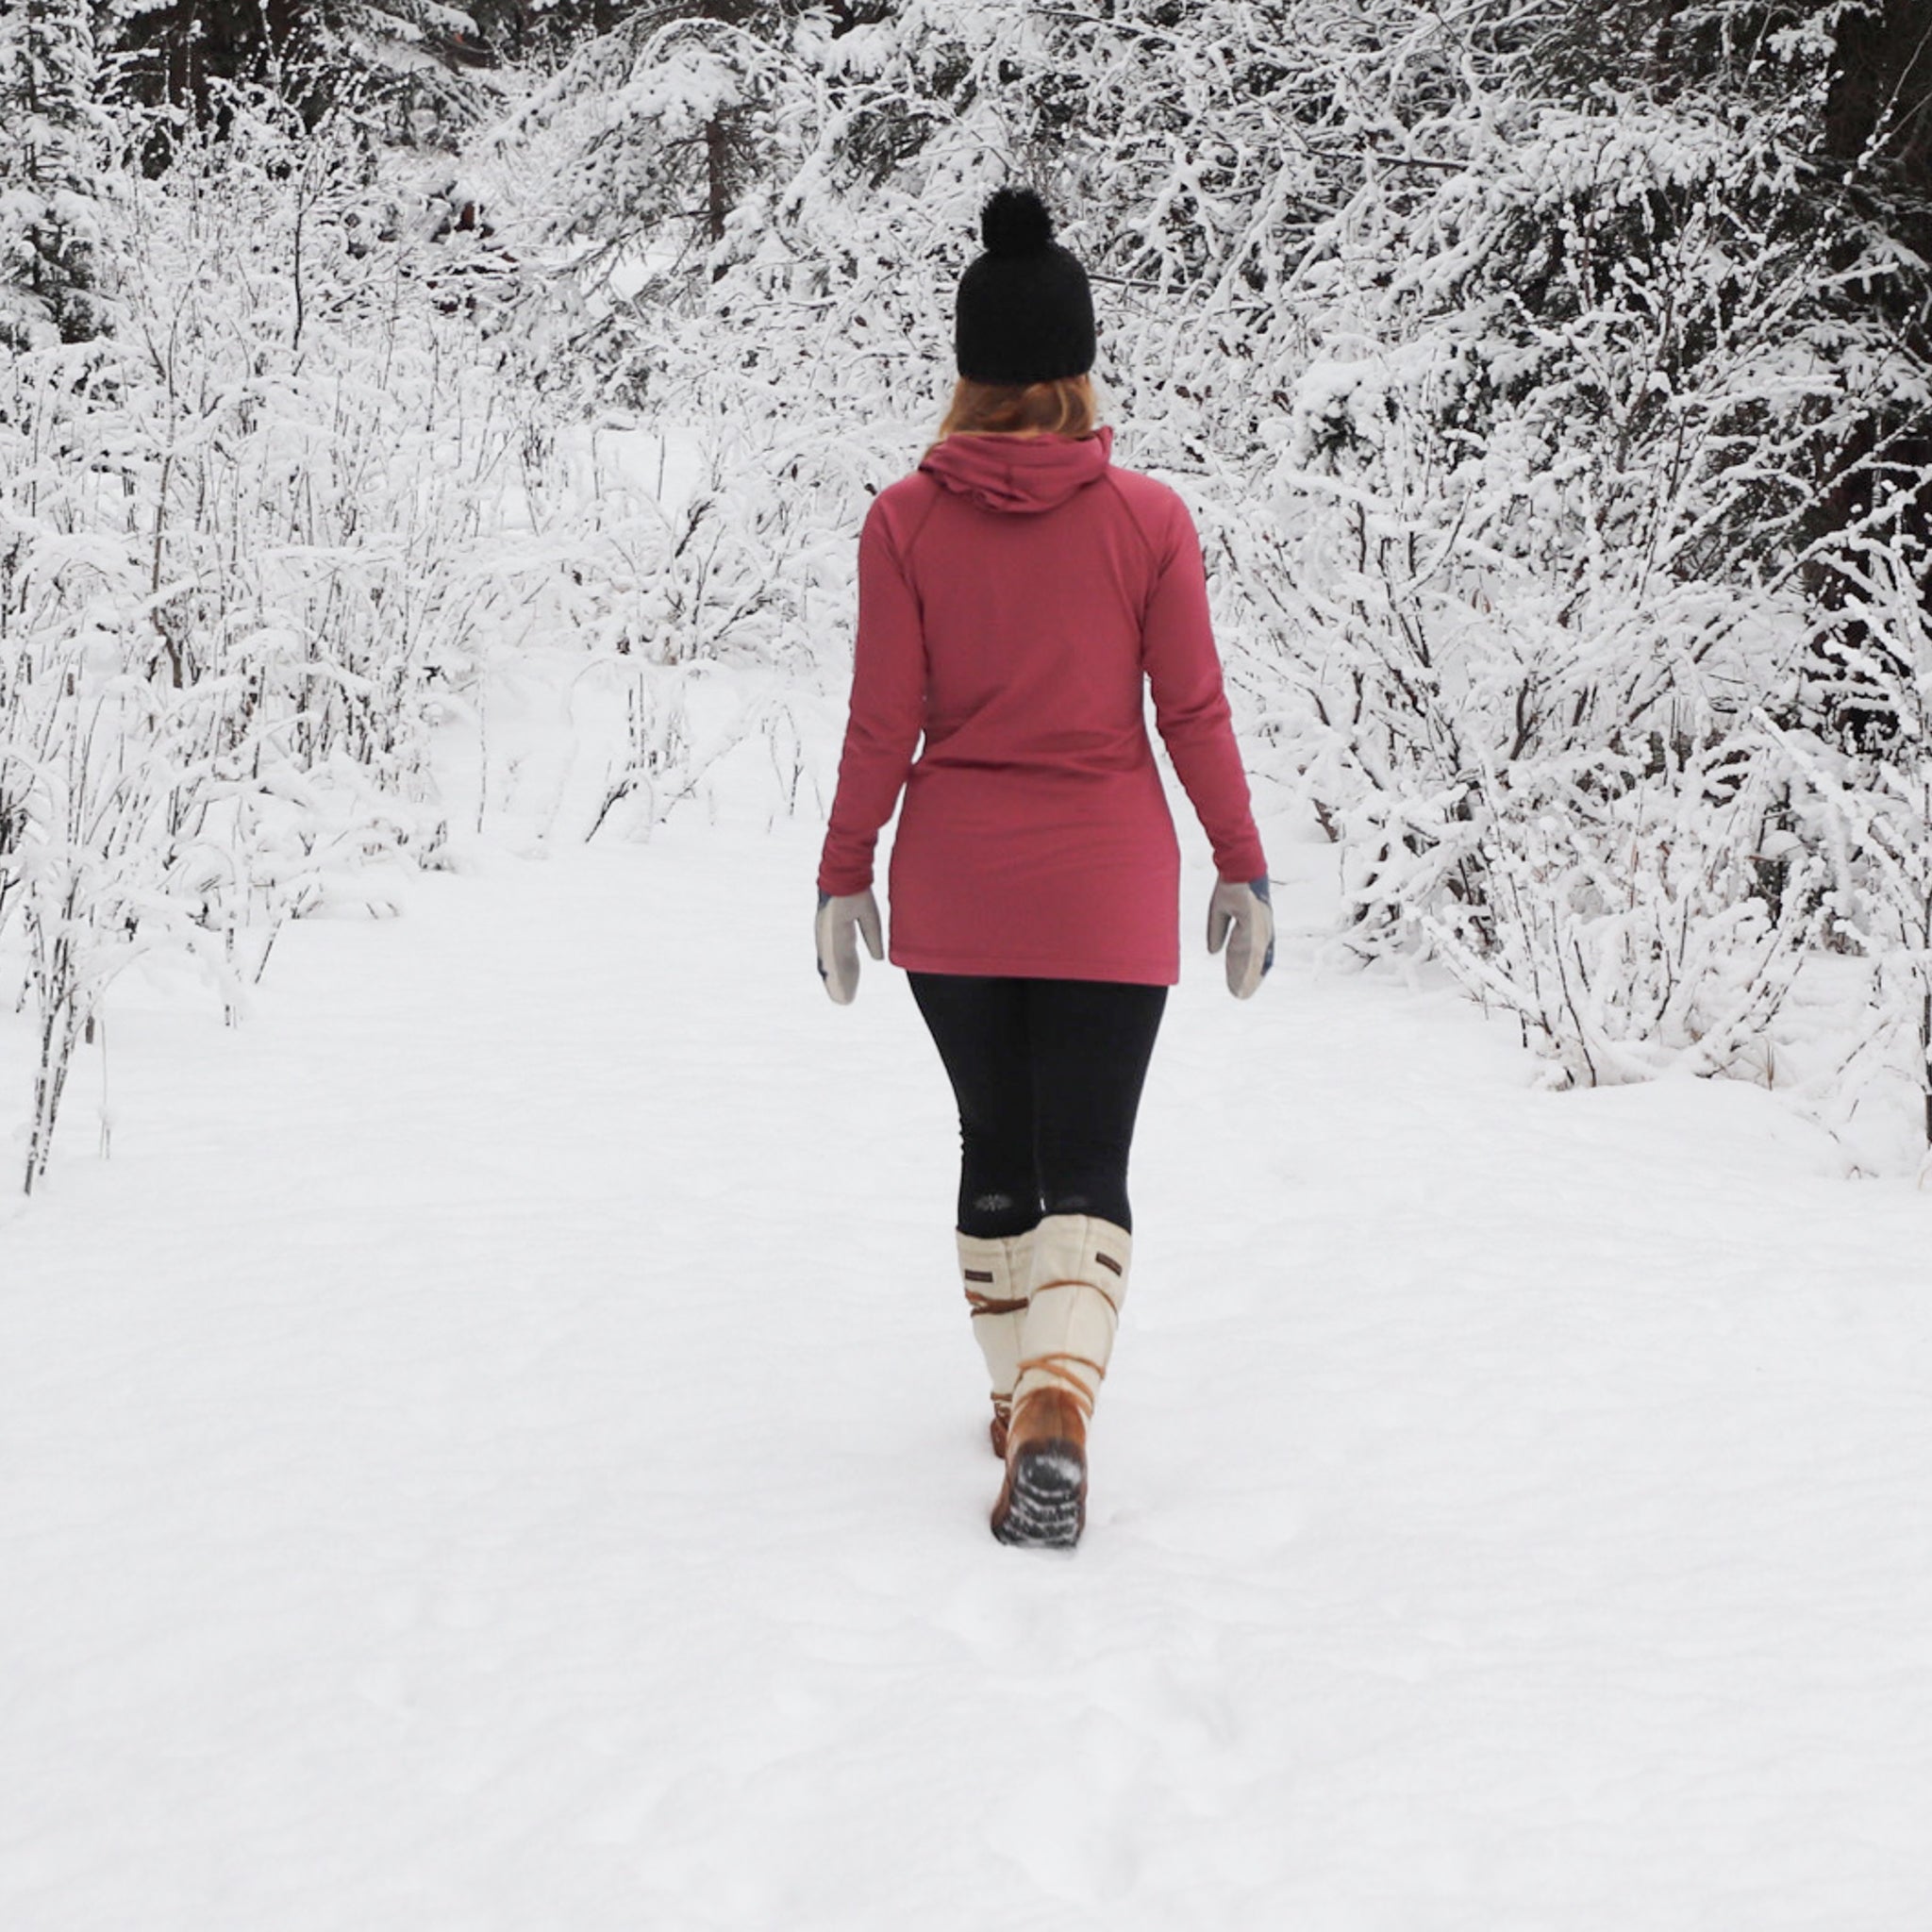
(1244, 917)
(836, 929)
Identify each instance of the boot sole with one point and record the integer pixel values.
(1045, 1498)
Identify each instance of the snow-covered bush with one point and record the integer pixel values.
(1532, 382)
(1867, 809)
(1535, 563)
(249, 544)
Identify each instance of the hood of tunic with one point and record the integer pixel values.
(1020, 475)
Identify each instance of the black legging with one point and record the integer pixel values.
(1048, 1076)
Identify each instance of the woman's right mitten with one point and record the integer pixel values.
(836, 932)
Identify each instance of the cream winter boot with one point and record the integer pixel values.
(1078, 1282)
(994, 1270)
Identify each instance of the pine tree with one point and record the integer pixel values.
(49, 228)
(379, 58)
(693, 82)
(1876, 143)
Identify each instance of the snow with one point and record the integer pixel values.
(499, 1446)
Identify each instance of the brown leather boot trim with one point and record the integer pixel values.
(986, 1305)
(1100, 1288)
(1063, 1368)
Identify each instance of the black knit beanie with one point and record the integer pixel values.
(1025, 312)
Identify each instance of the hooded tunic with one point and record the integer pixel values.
(1017, 597)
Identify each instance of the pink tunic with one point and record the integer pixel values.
(1013, 596)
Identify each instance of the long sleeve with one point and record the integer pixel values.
(1191, 704)
(888, 711)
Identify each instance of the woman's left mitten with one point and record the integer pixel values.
(1243, 916)
(835, 931)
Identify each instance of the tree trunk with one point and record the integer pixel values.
(717, 183)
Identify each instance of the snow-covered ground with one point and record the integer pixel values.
(499, 1446)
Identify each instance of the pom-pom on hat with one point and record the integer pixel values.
(1025, 312)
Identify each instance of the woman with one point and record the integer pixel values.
(1013, 594)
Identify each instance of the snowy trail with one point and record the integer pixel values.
(498, 1446)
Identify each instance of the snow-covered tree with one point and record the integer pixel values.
(405, 68)
(1550, 388)
(49, 224)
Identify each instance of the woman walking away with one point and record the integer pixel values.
(1013, 594)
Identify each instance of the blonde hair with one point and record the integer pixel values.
(1063, 407)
